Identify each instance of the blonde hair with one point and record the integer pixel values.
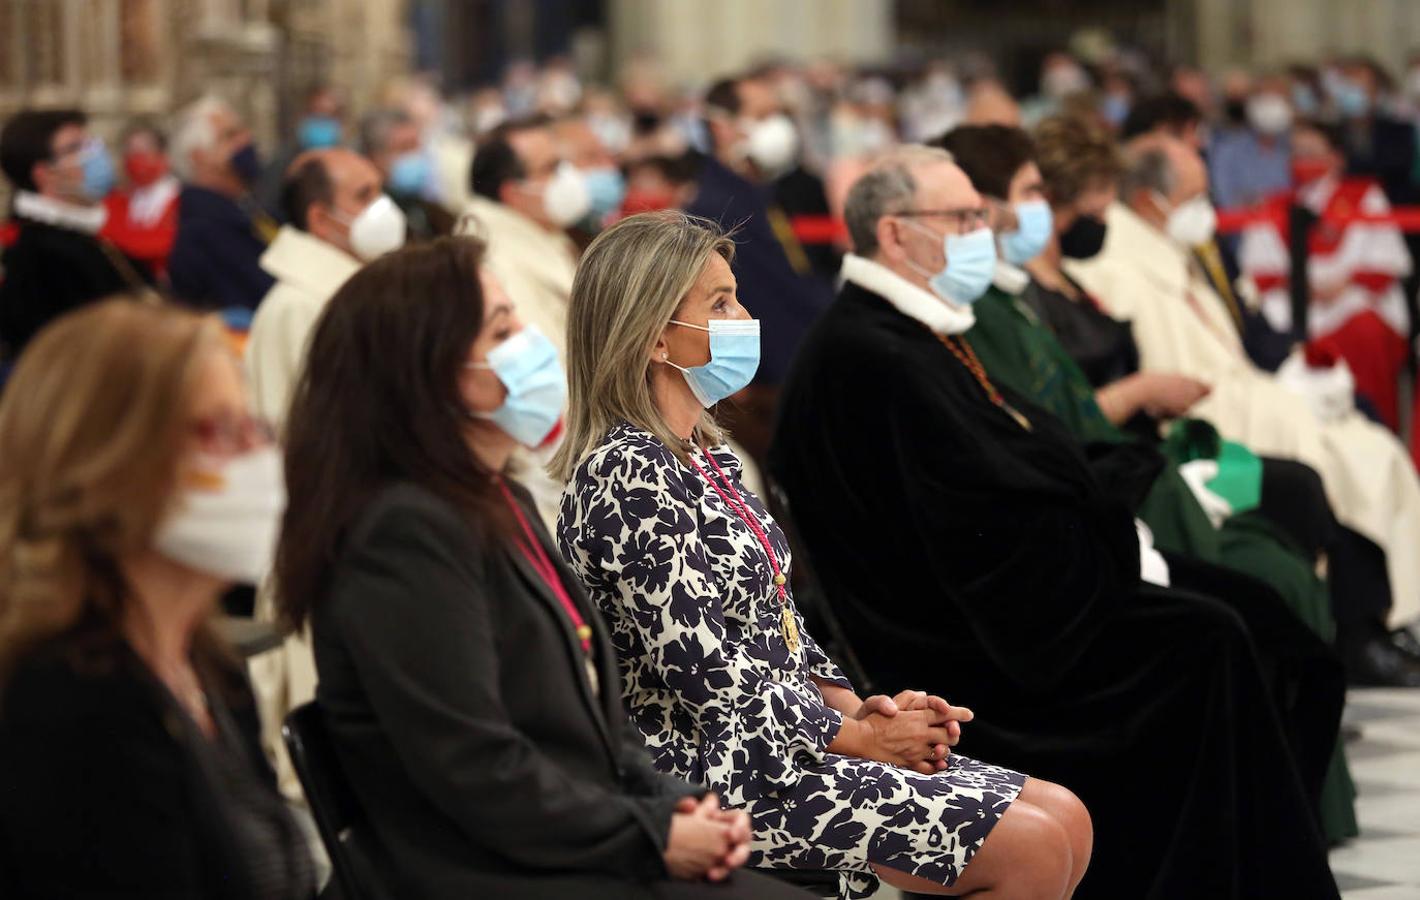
(92, 426)
(628, 286)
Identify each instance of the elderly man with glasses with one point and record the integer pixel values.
(969, 544)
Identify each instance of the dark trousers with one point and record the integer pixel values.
(1294, 500)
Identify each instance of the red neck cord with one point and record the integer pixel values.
(537, 557)
(742, 512)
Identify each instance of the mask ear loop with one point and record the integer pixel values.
(1163, 203)
(911, 263)
(665, 355)
(666, 359)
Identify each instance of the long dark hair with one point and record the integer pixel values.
(379, 402)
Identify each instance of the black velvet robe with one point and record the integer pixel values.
(972, 558)
(50, 271)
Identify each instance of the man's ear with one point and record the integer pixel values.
(889, 238)
(723, 131)
(506, 191)
(41, 173)
(318, 220)
(1141, 197)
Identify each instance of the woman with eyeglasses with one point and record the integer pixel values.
(469, 686)
(134, 489)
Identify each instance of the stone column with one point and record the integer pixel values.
(1260, 34)
(699, 42)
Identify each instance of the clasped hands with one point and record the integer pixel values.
(913, 730)
(705, 841)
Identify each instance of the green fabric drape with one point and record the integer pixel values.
(1018, 351)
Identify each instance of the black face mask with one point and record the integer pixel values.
(1235, 111)
(1084, 238)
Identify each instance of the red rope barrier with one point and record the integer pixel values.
(830, 230)
(1406, 218)
(819, 229)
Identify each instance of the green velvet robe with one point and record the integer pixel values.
(1019, 351)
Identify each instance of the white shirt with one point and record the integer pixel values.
(912, 301)
(49, 211)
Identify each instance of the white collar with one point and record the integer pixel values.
(146, 205)
(1010, 279)
(910, 300)
(48, 211)
(300, 258)
(1316, 195)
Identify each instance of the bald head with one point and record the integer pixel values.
(992, 104)
(324, 190)
(1161, 173)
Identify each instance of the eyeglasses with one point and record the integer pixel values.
(230, 435)
(966, 219)
(73, 149)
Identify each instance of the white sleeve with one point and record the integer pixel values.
(1152, 566)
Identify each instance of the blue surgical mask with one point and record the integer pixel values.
(1304, 100)
(971, 264)
(318, 132)
(99, 176)
(734, 358)
(527, 365)
(1351, 99)
(1115, 109)
(1033, 224)
(607, 188)
(409, 174)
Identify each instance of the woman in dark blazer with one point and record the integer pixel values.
(470, 688)
(134, 489)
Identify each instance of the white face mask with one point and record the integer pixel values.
(772, 144)
(565, 198)
(377, 230)
(1269, 113)
(1193, 223)
(229, 529)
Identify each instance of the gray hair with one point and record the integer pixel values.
(375, 129)
(887, 187)
(192, 130)
(1150, 170)
(628, 286)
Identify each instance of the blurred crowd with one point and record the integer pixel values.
(1114, 286)
(191, 204)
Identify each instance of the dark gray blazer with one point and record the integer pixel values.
(462, 713)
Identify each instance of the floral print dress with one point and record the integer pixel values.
(710, 681)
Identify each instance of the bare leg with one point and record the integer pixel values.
(1065, 808)
(1025, 857)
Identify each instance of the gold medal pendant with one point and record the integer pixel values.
(790, 629)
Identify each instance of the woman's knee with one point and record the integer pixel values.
(1028, 853)
(1061, 803)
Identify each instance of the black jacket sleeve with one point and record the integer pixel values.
(642, 778)
(412, 603)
